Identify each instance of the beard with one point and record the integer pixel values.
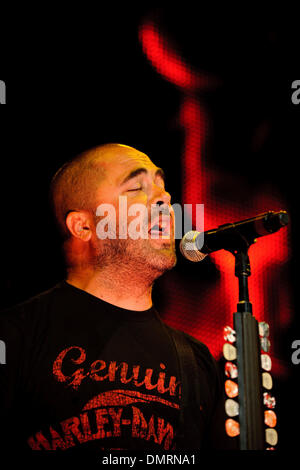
(139, 252)
(148, 259)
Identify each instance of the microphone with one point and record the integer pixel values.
(195, 246)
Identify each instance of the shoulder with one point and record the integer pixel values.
(30, 308)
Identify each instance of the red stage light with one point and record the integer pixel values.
(268, 287)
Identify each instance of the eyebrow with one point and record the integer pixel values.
(159, 172)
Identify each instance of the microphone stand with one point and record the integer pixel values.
(237, 238)
(251, 411)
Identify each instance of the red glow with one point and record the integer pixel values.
(168, 63)
(268, 287)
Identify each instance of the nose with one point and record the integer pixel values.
(161, 197)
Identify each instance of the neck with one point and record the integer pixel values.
(121, 288)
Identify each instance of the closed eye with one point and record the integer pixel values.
(135, 189)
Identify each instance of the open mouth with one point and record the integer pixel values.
(160, 229)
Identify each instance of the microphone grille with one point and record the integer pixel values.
(189, 249)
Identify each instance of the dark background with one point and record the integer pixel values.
(75, 82)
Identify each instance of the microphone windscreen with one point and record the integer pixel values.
(188, 247)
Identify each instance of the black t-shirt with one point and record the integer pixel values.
(81, 373)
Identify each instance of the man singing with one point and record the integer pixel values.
(90, 365)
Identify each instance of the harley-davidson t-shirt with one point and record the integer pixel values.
(81, 373)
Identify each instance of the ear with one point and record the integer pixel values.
(79, 225)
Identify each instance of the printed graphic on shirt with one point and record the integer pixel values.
(115, 412)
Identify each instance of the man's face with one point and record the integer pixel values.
(132, 176)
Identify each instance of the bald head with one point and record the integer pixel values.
(74, 185)
(80, 193)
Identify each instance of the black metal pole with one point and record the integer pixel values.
(251, 415)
